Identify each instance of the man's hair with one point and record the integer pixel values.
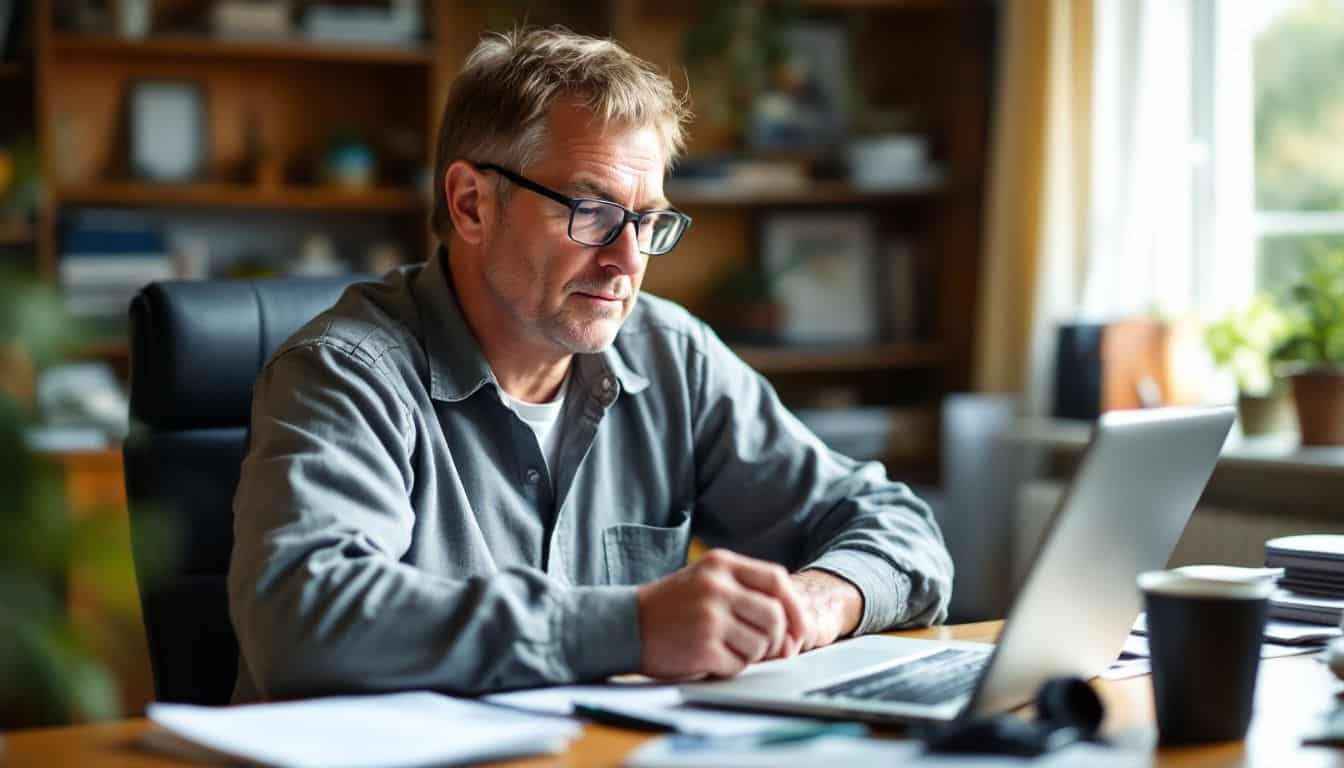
(497, 106)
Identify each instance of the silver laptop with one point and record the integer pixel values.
(1123, 513)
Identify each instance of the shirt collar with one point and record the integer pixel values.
(457, 366)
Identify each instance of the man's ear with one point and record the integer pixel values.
(471, 202)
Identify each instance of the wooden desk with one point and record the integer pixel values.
(1290, 690)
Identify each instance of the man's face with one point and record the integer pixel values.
(562, 294)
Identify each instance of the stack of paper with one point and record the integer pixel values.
(1312, 586)
(403, 729)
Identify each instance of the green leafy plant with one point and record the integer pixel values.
(734, 45)
(49, 671)
(1315, 335)
(1245, 341)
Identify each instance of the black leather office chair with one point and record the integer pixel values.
(196, 348)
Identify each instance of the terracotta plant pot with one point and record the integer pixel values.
(1265, 414)
(1319, 396)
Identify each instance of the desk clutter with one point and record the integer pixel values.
(424, 728)
(1311, 588)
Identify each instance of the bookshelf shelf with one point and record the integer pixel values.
(222, 195)
(723, 194)
(794, 359)
(205, 48)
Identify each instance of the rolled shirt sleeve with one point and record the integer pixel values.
(319, 595)
(770, 488)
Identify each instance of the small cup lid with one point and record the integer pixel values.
(1184, 585)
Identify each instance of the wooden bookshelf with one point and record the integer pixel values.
(714, 193)
(794, 359)
(221, 195)
(202, 47)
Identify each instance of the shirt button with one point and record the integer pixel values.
(606, 383)
(533, 476)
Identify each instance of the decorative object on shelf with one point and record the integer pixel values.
(317, 257)
(134, 17)
(891, 161)
(744, 308)
(240, 19)
(262, 165)
(826, 268)
(731, 46)
(1244, 342)
(397, 24)
(803, 103)
(348, 162)
(191, 258)
(383, 257)
(168, 130)
(1313, 353)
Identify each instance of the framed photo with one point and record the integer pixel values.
(167, 129)
(823, 269)
(804, 103)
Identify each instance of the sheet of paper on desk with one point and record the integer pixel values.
(402, 729)
(1276, 631)
(650, 702)
(848, 750)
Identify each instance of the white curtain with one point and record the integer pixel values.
(1148, 204)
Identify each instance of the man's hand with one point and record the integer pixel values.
(833, 605)
(719, 614)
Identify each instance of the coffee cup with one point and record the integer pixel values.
(1204, 637)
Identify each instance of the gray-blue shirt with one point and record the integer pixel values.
(396, 525)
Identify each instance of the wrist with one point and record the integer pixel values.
(834, 599)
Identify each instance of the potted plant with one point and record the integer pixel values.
(1312, 354)
(1244, 341)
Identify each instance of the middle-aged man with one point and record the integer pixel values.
(484, 472)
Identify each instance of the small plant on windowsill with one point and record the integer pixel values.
(1244, 342)
(1312, 354)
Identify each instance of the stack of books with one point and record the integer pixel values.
(106, 257)
(1312, 586)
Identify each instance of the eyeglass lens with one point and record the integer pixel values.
(597, 223)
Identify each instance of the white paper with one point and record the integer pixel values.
(847, 750)
(1276, 631)
(655, 703)
(403, 729)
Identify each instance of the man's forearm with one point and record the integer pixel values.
(836, 605)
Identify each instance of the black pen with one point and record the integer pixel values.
(621, 719)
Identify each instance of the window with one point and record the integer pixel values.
(1298, 92)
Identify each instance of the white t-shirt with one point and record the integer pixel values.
(543, 418)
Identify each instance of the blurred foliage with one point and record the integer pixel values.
(1299, 109)
(1245, 341)
(732, 46)
(48, 671)
(1316, 314)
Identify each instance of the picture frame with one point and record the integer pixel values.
(823, 270)
(166, 126)
(804, 105)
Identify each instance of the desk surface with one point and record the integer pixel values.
(1289, 692)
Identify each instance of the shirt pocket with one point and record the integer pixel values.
(638, 553)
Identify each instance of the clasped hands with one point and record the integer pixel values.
(726, 610)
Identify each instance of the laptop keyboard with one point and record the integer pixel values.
(932, 679)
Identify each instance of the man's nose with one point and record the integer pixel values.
(623, 252)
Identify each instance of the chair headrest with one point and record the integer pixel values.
(197, 346)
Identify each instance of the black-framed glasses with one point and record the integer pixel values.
(597, 223)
